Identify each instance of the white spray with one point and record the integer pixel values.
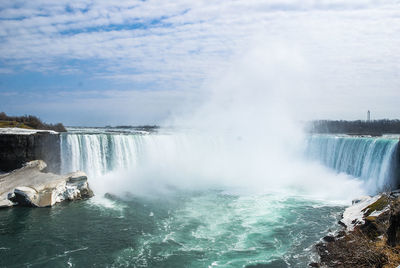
(242, 137)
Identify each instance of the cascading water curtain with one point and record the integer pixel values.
(96, 154)
(371, 159)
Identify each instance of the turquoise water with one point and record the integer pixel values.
(184, 229)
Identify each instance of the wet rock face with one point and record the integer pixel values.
(393, 232)
(17, 149)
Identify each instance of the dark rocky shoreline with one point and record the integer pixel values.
(370, 236)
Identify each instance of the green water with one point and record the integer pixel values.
(185, 229)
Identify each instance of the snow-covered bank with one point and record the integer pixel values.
(354, 215)
(24, 131)
(371, 237)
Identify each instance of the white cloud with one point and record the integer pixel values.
(352, 47)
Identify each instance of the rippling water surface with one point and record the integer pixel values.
(184, 229)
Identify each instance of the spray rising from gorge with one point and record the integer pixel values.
(372, 160)
(242, 137)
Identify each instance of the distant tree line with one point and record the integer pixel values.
(33, 122)
(374, 127)
(150, 128)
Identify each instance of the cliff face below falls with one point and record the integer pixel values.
(20, 147)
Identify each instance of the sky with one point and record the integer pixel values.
(101, 62)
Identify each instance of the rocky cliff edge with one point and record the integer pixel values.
(370, 236)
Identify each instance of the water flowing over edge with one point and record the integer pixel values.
(372, 160)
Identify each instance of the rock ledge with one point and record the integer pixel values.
(30, 186)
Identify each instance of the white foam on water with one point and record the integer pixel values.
(103, 202)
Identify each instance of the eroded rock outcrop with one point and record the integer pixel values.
(30, 186)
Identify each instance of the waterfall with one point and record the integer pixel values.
(374, 160)
(99, 153)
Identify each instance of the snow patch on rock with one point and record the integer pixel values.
(354, 214)
(23, 131)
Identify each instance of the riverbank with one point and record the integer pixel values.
(28, 122)
(370, 236)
